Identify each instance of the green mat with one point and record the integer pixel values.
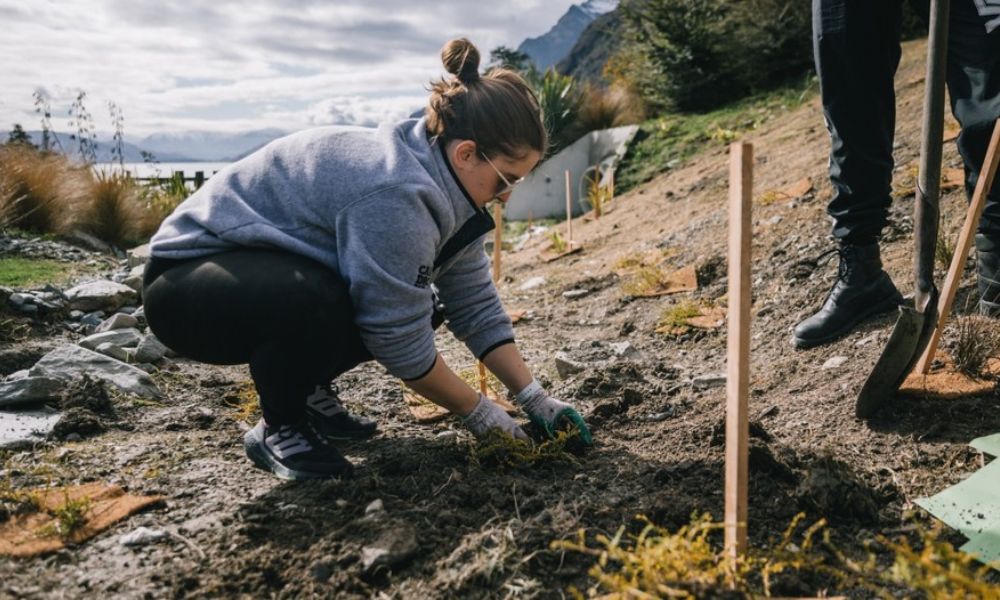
(972, 507)
(989, 444)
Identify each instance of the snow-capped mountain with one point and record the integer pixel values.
(548, 49)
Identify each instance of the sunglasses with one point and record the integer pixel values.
(508, 185)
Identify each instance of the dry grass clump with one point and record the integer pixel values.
(45, 192)
(978, 341)
(689, 563)
(113, 211)
(602, 108)
(39, 190)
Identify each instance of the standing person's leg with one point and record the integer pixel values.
(856, 48)
(974, 87)
(288, 317)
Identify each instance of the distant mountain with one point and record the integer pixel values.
(207, 145)
(131, 152)
(600, 40)
(548, 49)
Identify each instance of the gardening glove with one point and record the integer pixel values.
(488, 415)
(547, 412)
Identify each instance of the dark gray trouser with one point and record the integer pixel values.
(856, 48)
(288, 317)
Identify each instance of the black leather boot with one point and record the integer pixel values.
(862, 289)
(988, 271)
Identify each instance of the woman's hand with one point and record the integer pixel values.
(488, 415)
(548, 412)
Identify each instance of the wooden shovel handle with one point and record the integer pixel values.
(983, 185)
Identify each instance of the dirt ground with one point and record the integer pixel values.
(485, 533)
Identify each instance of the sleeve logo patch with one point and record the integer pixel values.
(423, 277)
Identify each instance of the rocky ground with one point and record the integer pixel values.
(422, 517)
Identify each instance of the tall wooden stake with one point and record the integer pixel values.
(738, 354)
(975, 210)
(569, 213)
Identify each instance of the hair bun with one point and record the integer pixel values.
(461, 59)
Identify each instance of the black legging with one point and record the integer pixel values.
(290, 318)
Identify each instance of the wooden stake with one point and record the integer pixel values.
(738, 354)
(482, 378)
(569, 214)
(598, 193)
(986, 176)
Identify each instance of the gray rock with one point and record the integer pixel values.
(127, 310)
(566, 366)
(532, 283)
(27, 390)
(138, 256)
(623, 348)
(28, 309)
(835, 362)
(70, 361)
(394, 546)
(134, 278)
(574, 294)
(124, 338)
(92, 319)
(100, 295)
(140, 313)
(19, 299)
(150, 350)
(24, 428)
(705, 382)
(375, 507)
(126, 355)
(17, 375)
(76, 315)
(5, 293)
(117, 321)
(142, 536)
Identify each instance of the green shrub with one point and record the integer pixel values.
(699, 54)
(560, 99)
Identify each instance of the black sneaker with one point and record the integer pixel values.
(293, 452)
(328, 418)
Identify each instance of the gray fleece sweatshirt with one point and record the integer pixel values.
(383, 209)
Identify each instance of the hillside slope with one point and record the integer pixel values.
(465, 529)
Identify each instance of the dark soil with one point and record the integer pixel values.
(483, 532)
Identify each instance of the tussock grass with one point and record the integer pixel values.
(978, 341)
(690, 563)
(601, 108)
(559, 244)
(40, 190)
(499, 450)
(675, 318)
(113, 211)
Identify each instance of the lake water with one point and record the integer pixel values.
(165, 169)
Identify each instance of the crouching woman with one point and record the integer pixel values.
(323, 250)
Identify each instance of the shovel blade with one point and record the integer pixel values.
(894, 364)
(906, 344)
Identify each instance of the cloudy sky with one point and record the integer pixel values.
(232, 65)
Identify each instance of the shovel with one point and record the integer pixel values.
(915, 325)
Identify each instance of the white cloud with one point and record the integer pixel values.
(176, 65)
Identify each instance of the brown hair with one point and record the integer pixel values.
(497, 110)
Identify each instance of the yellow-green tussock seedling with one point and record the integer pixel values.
(674, 320)
(245, 401)
(646, 279)
(499, 450)
(558, 242)
(691, 563)
(70, 517)
(978, 341)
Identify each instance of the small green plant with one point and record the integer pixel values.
(559, 99)
(978, 341)
(944, 248)
(674, 320)
(70, 517)
(559, 244)
(498, 449)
